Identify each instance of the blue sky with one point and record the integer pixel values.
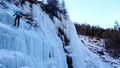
(94, 12)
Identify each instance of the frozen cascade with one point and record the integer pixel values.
(41, 47)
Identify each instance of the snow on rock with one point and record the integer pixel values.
(97, 46)
(39, 46)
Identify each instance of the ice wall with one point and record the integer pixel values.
(28, 46)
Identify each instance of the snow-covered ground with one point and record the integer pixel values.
(97, 46)
(30, 46)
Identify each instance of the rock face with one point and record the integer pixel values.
(42, 42)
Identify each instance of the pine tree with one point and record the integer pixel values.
(63, 9)
(32, 1)
(53, 3)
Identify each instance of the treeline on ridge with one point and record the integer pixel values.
(111, 36)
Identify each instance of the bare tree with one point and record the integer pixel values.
(117, 26)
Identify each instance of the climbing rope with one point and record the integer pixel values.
(15, 49)
(30, 51)
(16, 62)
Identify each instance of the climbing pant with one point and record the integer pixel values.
(17, 20)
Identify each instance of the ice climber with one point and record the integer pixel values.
(17, 18)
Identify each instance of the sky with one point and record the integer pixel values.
(101, 13)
